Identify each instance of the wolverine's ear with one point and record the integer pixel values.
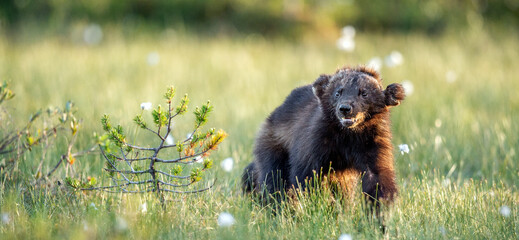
(320, 85)
(394, 94)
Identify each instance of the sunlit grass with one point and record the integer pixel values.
(461, 169)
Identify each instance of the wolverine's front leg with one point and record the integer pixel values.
(378, 183)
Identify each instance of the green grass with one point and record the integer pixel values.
(462, 168)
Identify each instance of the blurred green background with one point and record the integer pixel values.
(270, 17)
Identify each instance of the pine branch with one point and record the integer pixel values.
(196, 145)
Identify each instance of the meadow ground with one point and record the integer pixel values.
(458, 181)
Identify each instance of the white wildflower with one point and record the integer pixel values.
(227, 164)
(348, 31)
(92, 34)
(346, 44)
(408, 87)
(5, 218)
(153, 58)
(437, 142)
(438, 123)
(170, 140)
(505, 211)
(93, 205)
(346, 41)
(394, 59)
(345, 236)
(121, 224)
(443, 231)
(144, 208)
(404, 148)
(199, 159)
(146, 106)
(451, 76)
(375, 63)
(225, 219)
(446, 182)
(189, 136)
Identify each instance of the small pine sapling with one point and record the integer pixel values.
(162, 168)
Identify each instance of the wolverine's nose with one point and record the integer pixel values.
(345, 108)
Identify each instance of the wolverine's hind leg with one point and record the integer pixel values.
(271, 171)
(249, 178)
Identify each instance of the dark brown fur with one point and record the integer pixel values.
(338, 126)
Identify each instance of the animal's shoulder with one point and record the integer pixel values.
(297, 102)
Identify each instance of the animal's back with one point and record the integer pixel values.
(291, 117)
(294, 106)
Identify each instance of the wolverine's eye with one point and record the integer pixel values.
(338, 93)
(363, 93)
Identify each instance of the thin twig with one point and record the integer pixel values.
(128, 172)
(173, 145)
(122, 190)
(7, 151)
(140, 148)
(56, 167)
(78, 154)
(169, 120)
(194, 191)
(88, 151)
(176, 185)
(150, 190)
(172, 176)
(124, 156)
(129, 159)
(119, 185)
(181, 158)
(104, 155)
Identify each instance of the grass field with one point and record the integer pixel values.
(457, 182)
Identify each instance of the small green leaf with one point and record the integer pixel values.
(182, 106)
(117, 136)
(170, 93)
(34, 116)
(68, 106)
(177, 170)
(180, 147)
(210, 132)
(74, 125)
(208, 163)
(74, 183)
(92, 182)
(63, 118)
(196, 174)
(197, 136)
(201, 114)
(5, 93)
(159, 117)
(119, 129)
(105, 121)
(140, 121)
(215, 140)
(30, 140)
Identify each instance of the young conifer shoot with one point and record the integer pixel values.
(166, 167)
